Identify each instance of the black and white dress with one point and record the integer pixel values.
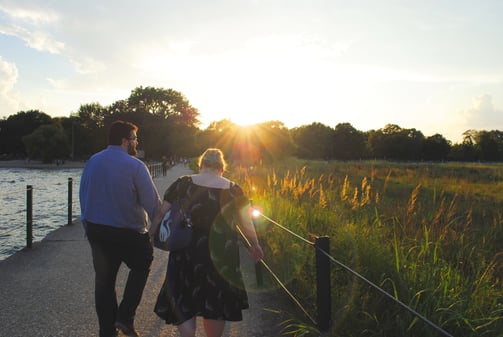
(205, 278)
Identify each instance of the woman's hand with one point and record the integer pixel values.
(154, 226)
(151, 232)
(256, 252)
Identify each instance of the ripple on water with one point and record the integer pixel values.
(50, 193)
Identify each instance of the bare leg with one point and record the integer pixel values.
(213, 328)
(188, 328)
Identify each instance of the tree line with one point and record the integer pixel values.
(169, 128)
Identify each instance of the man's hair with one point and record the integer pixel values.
(118, 130)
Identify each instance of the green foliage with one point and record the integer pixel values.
(348, 143)
(48, 142)
(313, 141)
(393, 142)
(169, 127)
(15, 127)
(428, 234)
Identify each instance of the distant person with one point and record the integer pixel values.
(116, 190)
(205, 279)
(164, 165)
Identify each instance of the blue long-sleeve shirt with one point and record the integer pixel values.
(117, 190)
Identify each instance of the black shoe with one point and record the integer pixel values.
(127, 329)
(115, 333)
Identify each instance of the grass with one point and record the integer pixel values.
(429, 234)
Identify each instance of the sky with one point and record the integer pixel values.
(432, 65)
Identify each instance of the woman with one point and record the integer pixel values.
(205, 279)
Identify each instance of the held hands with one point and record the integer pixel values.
(151, 232)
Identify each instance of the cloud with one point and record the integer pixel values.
(87, 65)
(483, 115)
(8, 78)
(35, 15)
(29, 23)
(38, 40)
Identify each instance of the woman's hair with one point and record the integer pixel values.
(118, 130)
(213, 159)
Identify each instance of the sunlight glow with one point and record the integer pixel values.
(256, 213)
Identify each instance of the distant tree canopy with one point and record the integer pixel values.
(393, 142)
(169, 127)
(166, 120)
(313, 141)
(48, 142)
(15, 127)
(348, 143)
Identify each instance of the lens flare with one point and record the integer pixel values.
(255, 213)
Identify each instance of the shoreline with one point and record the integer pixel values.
(37, 164)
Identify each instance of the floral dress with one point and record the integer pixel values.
(205, 278)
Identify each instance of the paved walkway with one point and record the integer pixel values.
(47, 291)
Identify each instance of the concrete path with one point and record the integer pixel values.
(48, 291)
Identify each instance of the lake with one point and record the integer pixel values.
(50, 204)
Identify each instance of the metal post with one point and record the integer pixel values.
(323, 289)
(70, 200)
(29, 216)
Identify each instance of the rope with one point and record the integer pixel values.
(373, 285)
(433, 325)
(276, 278)
(286, 229)
(10, 230)
(13, 192)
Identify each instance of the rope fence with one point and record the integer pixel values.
(280, 283)
(64, 209)
(14, 192)
(323, 285)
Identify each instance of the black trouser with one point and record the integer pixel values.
(110, 247)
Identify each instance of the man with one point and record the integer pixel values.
(116, 190)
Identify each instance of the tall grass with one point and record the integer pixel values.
(429, 234)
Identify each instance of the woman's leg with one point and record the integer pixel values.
(213, 328)
(188, 328)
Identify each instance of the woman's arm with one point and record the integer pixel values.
(248, 228)
(165, 206)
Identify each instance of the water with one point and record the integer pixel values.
(50, 204)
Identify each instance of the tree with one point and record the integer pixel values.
(219, 134)
(313, 141)
(271, 140)
(436, 148)
(16, 126)
(165, 103)
(487, 145)
(47, 142)
(90, 128)
(393, 142)
(248, 145)
(348, 143)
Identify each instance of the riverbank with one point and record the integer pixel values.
(36, 164)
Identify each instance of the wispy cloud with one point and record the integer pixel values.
(29, 23)
(33, 15)
(38, 40)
